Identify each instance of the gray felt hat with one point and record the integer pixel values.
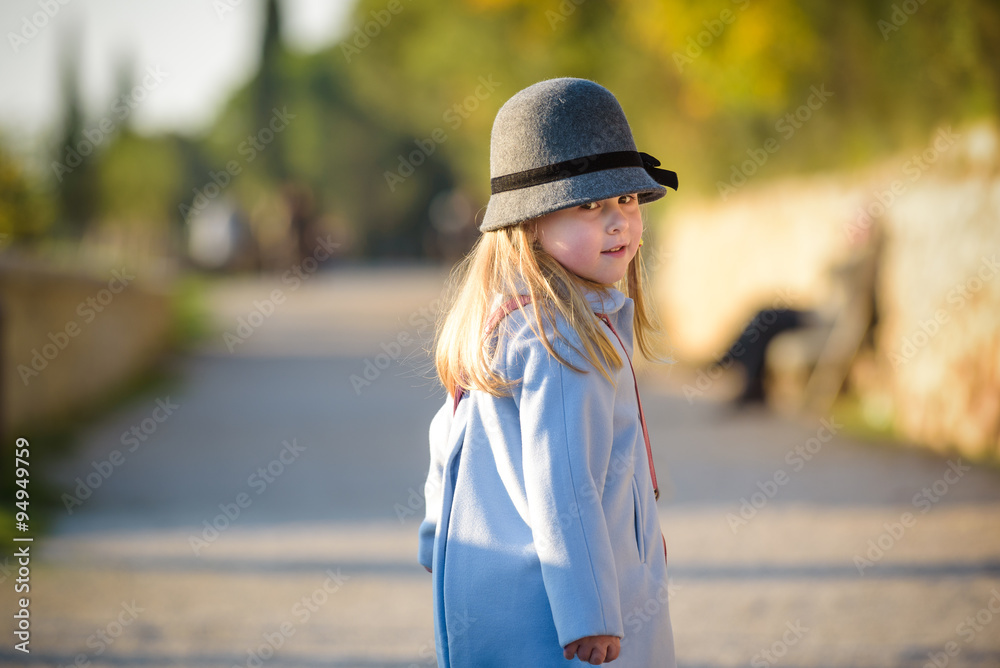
(561, 143)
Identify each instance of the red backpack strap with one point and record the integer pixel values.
(523, 300)
(503, 311)
(499, 314)
(642, 421)
(642, 417)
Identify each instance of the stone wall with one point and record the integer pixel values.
(940, 342)
(935, 370)
(765, 247)
(69, 337)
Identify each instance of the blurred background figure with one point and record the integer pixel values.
(220, 239)
(800, 359)
(749, 351)
(302, 218)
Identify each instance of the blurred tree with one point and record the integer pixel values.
(270, 91)
(74, 165)
(399, 110)
(335, 142)
(701, 82)
(139, 181)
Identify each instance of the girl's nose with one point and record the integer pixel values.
(617, 220)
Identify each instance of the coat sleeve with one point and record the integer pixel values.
(439, 430)
(567, 433)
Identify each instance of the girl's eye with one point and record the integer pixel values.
(589, 206)
(627, 199)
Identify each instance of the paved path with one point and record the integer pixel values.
(318, 567)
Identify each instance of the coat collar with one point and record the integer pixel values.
(609, 300)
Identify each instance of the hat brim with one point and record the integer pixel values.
(514, 207)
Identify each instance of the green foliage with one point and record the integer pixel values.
(191, 320)
(401, 106)
(139, 180)
(701, 82)
(25, 214)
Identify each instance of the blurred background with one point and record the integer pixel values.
(224, 232)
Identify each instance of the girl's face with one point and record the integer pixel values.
(595, 241)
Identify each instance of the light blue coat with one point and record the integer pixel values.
(541, 523)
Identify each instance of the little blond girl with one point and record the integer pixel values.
(541, 531)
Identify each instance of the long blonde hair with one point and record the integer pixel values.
(509, 262)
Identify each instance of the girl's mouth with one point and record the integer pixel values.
(615, 252)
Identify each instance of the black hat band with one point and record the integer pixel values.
(584, 165)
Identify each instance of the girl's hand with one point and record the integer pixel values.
(594, 650)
